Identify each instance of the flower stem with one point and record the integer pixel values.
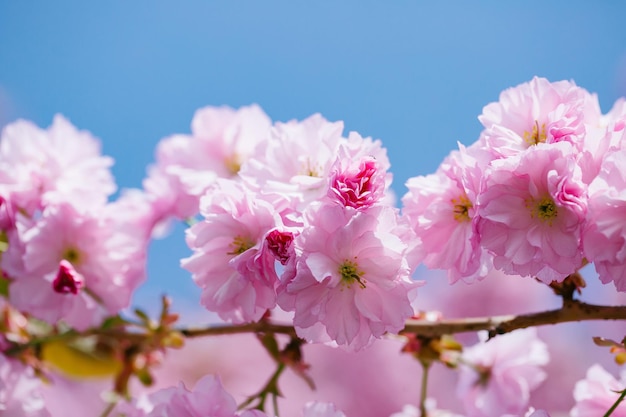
(614, 406)
(424, 388)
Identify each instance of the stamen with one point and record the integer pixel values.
(349, 273)
(462, 205)
(240, 244)
(536, 136)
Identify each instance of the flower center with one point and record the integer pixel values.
(462, 205)
(537, 135)
(240, 244)
(349, 271)
(233, 164)
(72, 255)
(544, 209)
(484, 374)
(279, 243)
(310, 170)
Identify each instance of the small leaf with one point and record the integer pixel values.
(113, 321)
(601, 341)
(4, 286)
(144, 377)
(144, 317)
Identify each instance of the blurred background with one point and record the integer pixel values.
(414, 74)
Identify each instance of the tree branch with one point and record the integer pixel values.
(571, 311)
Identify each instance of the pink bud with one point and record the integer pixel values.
(67, 279)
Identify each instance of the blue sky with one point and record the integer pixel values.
(415, 74)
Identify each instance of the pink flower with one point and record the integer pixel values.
(208, 398)
(20, 390)
(357, 184)
(280, 244)
(39, 167)
(500, 374)
(222, 140)
(441, 209)
(538, 112)
(231, 261)
(604, 238)
(532, 208)
(294, 164)
(74, 266)
(597, 393)
(352, 280)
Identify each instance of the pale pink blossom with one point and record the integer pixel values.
(538, 112)
(441, 208)
(39, 167)
(604, 238)
(208, 398)
(69, 397)
(497, 376)
(293, 165)
(232, 262)
(74, 265)
(352, 280)
(532, 208)
(222, 139)
(20, 390)
(597, 393)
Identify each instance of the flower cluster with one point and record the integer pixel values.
(293, 215)
(539, 193)
(297, 220)
(69, 255)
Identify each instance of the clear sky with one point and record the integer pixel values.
(415, 74)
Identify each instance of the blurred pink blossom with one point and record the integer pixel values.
(597, 393)
(497, 376)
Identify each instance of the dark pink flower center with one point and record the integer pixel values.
(67, 279)
(357, 188)
(279, 243)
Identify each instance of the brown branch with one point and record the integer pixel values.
(260, 327)
(572, 311)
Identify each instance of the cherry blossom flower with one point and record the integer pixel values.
(532, 208)
(597, 393)
(604, 238)
(357, 184)
(441, 209)
(500, 374)
(538, 112)
(352, 280)
(231, 261)
(222, 140)
(208, 398)
(74, 266)
(38, 167)
(20, 390)
(293, 164)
